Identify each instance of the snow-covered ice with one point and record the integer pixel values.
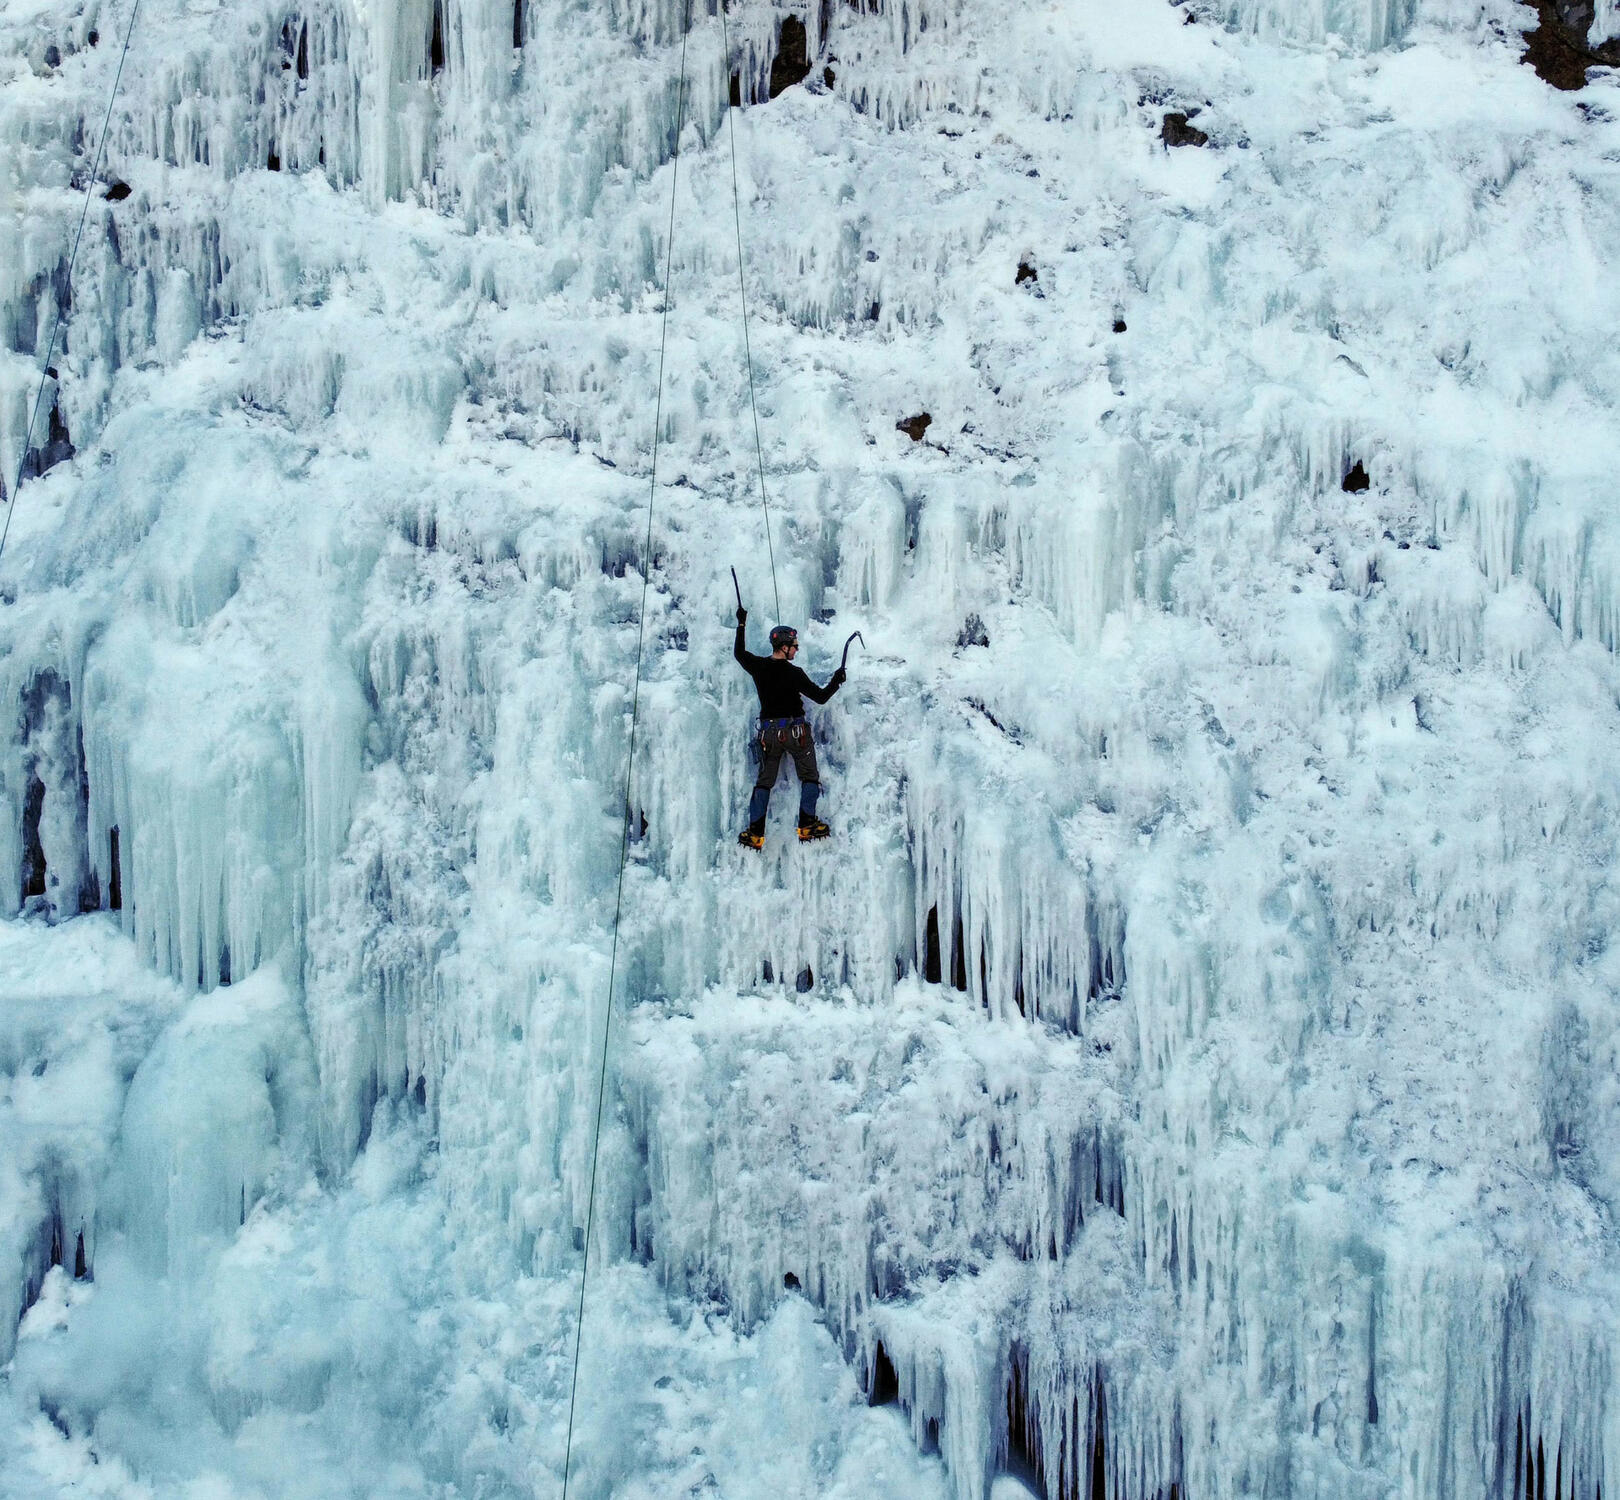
(1191, 1066)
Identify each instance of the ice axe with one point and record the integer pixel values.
(854, 635)
(738, 588)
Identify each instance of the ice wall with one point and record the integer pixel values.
(224, 823)
(1168, 1074)
(217, 1108)
(80, 1015)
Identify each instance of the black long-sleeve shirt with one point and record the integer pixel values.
(779, 683)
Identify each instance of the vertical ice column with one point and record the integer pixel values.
(397, 101)
(19, 385)
(222, 1100)
(229, 813)
(42, 840)
(54, 810)
(1364, 24)
(1000, 913)
(1093, 548)
(945, 1371)
(872, 549)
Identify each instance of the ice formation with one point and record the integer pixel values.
(1190, 1069)
(1605, 23)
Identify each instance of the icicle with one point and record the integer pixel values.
(1367, 24)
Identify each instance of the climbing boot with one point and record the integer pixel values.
(812, 828)
(749, 839)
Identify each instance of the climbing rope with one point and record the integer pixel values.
(742, 288)
(56, 322)
(630, 760)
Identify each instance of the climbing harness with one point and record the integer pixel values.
(784, 735)
(630, 759)
(748, 353)
(46, 372)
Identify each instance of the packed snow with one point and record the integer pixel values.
(1191, 1066)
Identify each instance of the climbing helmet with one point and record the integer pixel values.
(783, 636)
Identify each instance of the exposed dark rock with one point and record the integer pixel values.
(791, 64)
(885, 1380)
(1558, 49)
(1026, 272)
(57, 448)
(932, 969)
(1119, 325)
(978, 705)
(828, 77)
(58, 445)
(293, 46)
(1099, 1445)
(117, 192)
(1176, 131)
(33, 859)
(790, 1281)
(436, 41)
(55, 803)
(53, 56)
(972, 633)
(272, 162)
(1022, 1455)
(1356, 480)
(915, 427)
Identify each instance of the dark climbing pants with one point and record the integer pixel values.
(779, 737)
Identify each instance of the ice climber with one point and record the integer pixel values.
(783, 729)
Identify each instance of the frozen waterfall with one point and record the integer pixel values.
(1190, 1068)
